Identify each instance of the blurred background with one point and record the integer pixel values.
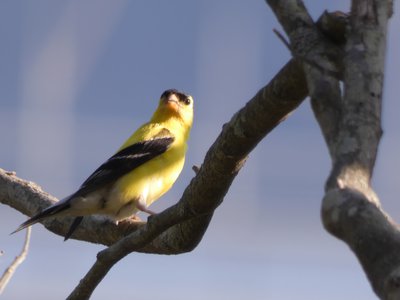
(77, 77)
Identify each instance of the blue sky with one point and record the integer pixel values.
(77, 77)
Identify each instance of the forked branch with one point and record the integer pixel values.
(351, 124)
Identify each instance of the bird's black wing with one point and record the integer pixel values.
(125, 161)
(120, 164)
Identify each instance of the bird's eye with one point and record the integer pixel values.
(186, 101)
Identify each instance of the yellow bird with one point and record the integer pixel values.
(143, 169)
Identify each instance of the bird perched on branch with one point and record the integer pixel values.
(143, 169)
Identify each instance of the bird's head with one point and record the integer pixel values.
(175, 104)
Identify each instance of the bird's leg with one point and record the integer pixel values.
(133, 218)
(144, 208)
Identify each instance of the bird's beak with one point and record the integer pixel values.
(172, 103)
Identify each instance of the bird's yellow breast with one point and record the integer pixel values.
(150, 181)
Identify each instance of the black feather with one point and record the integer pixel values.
(181, 96)
(120, 164)
(48, 212)
(123, 162)
(77, 221)
(116, 166)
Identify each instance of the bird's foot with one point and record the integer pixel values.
(135, 218)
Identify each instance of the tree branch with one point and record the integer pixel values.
(351, 126)
(9, 272)
(351, 210)
(181, 227)
(267, 109)
(207, 190)
(185, 222)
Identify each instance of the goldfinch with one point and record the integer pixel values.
(143, 169)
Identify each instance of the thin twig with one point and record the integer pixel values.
(304, 58)
(283, 39)
(9, 272)
(196, 169)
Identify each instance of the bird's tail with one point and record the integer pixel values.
(74, 225)
(48, 212)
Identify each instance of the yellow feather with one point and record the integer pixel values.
(122, 197)
(151, 180)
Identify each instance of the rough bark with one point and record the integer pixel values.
(351, 125)
(180, 227)
(261, 114)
